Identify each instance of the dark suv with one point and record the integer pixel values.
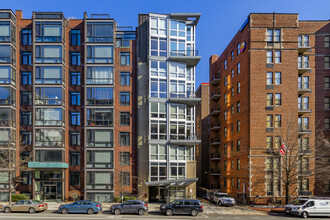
(184, 206)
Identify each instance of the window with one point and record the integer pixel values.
(327, 41)
(238, 164)
(232, 164)
(99, 75)
(238, 145)
(124, 58)
(238, 183)
(327, 123)
(48, 54)
(327, 82)
(124, 79)
(124, 138)
(269, 35)
(277, 56)
(99, 117)
(232, 91)
(277, 143)
(238, 126)
(125, 158)
(232, 74)
(238, 68)
(26, 176)
(225, 148)
(232, 110)
(158, 26)
(75, 78)
(46, 31)
(278, 78)
(100, 54)
(225, 98)
(225, 132)
(225, 167)
(158, 129)
(100, 31)
(238, 107)
(26, 36)
(100, 96)
(226, 80)
(26, 118)
(232, 55)
(269, 56)
(277, 35)
(26, 78)
(75, 37)
(238, 87)
(158, 110)
(178, 28)
(124, 178)
(74, 158)
(75, 138)
(232, 128)
(269, 142)
(26, 137)
(125, 118)
(75, 98)
(225, 115)
(158, 46)
(75, 118)
(158, 152)
(269, 123)
(99, 138)
(303, 62)
(26, 58)
(75, 178)
(270, 99)
(26, 98)
(225, 64)
(303, 41)
(273, 35)
(277, 121)
(326, 62)
(327, 103)
(278, 99)
(159, 68)
(124, 98)
(75, 58)
(48, 75)
(270, 78)
(238, 48)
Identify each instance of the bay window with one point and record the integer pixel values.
(99, 75)
(49, 75)
(99, 138)
(100, 96)
(100, 54)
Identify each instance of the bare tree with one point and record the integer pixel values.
(9, 165)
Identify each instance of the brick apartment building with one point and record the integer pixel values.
(203, 131)
(269, 86)
(67, 99)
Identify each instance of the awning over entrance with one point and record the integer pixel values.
(182, 182)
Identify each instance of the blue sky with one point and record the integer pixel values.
(219, 22)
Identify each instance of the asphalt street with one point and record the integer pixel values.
(153, 215)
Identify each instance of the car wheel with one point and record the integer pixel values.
(304, 215)
(117, 212)
(65, 211)
(7, 210)
(90, 211)
(169, 212)
(194, 212)
(141, 212)
(219, 203)
(32, 210)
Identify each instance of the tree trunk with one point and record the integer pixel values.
(287, 194)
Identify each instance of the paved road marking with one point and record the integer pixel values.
(204, 216)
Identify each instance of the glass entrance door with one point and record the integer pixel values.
(49, 192)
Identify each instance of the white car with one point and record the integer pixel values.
(306, 207)
(223, 199)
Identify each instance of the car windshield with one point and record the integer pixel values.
(298, 202)
(224, 195)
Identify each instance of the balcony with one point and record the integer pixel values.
(303, 88)
(188, 56)
(215, 80)
(304, 151)
(215, 111)
(215, 96)
(303, 108)
(49, 101)
(215, 126)
(184, 98)
(55, 123)
(304, 129)
(215, 141)
(303, 68)
(215, 171)
(215, 156)
(303, 46)
(48, 165)
(187, 140)
(55, 144)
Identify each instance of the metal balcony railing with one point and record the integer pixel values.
(304, 128)
(303, 85)
(215, 170)
(184, 53)
(215, 140)
(216, 155)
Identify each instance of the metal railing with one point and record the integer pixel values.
(215, 155)
(215, 139)
(184, 52)
(303, 85)
(303, 127)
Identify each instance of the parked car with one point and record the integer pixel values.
(306, 207)
(130, 206)
(81, 207)
(223, 199)
(30, 206)
(187, 207)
